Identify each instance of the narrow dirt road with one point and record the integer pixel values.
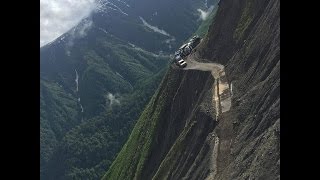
(222, 95)
(221, 102)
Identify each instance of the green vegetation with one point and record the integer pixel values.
(88, 149)
(58, 113)
(76, 145)
(130, 161)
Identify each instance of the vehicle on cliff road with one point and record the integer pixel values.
(194, 41)
(181, 63)
(185, 50)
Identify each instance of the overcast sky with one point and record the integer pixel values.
(58, 16)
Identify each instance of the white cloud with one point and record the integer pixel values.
(84, 28)
(59, 16)
(78, 32)
(204, 14)
(154, 28)
(112, 99)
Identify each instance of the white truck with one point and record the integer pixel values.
(182, 63)
(185, 50)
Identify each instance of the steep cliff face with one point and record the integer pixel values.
(96, 79)
(159, 125)
(219, 125)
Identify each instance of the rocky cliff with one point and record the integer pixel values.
(220, 117)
